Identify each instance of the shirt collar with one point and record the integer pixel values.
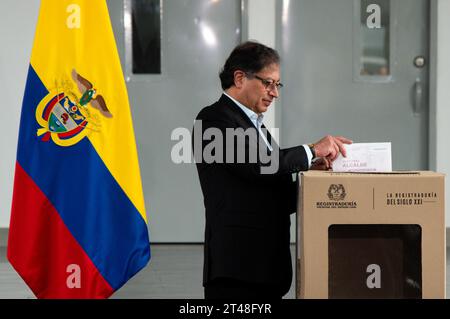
(254, 117)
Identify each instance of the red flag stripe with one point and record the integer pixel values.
(42, 250)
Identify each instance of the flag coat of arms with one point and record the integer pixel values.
(78, 224)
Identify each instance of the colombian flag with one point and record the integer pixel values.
(78, 223)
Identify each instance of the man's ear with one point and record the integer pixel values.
(239, 78)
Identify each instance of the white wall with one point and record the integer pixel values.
(17, 25)
(261, 27)
(443, 96)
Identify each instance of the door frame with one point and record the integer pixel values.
(432, 100)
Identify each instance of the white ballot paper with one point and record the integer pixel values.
(365, 157)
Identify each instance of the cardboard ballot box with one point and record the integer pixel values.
(371, 235)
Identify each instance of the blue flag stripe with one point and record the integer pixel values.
(89, 200)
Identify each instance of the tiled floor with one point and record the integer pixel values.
(175, 271)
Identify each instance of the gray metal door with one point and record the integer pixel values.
(196, 37)
(357, 68)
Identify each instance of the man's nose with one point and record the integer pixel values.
(274, 91)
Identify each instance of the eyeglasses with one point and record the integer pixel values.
(270, 85)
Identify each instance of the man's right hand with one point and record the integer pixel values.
(329, 147)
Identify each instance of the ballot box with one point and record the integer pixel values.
(371, 235)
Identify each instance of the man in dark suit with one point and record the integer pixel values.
(247, 182)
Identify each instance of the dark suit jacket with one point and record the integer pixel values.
(247, 234)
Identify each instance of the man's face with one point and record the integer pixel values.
(255, 94)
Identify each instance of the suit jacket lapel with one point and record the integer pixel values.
(243, 119)
(239, 115)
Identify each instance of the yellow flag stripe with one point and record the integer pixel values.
(84, 28)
